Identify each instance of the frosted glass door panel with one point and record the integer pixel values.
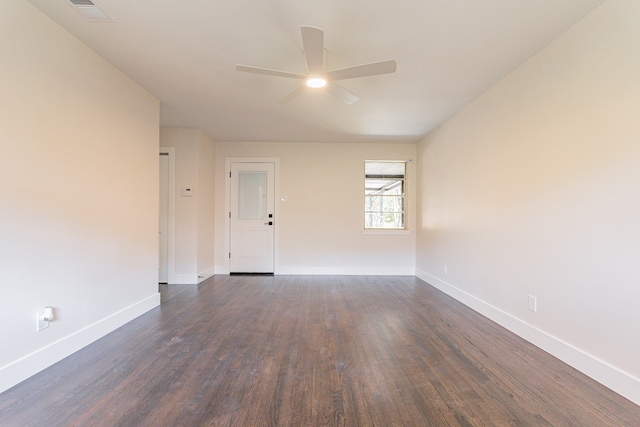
(252, 195)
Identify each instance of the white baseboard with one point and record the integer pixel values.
(206, 274)
(345, 271)
(185, 279)
(32, 363)
(617, 380)
(336, 271)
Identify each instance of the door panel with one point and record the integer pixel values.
(252, 218)
(253, 243)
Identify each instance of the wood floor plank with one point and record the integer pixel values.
(312, 351)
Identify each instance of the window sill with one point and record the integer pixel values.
(384, 231)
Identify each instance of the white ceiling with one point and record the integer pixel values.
(447, 51)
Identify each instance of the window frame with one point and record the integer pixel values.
(403, 198)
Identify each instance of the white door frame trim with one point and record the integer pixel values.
(227, 205)
(171, 238)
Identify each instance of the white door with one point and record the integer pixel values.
(163, 223)
(251, 244)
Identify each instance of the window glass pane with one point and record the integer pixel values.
(387, 220)
(384, 195)
(252, 195)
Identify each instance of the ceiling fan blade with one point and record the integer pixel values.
(342, 94)
(292, 95)
(268, 72)
(313, 43)
(364, 70)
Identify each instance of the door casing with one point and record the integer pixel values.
(171, 153)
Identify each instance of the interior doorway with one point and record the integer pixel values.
(165, 215)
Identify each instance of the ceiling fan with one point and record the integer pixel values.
(317, 76)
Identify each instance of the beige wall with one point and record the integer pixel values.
(533, 189)
(79, 193)
(319, 229)
(206, 207)
(193, 216)
(530, 190)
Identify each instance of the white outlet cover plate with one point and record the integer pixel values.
(40, 322)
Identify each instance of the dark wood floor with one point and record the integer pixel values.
(311, 351)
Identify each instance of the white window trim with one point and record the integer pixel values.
(396, 231)
(386, 231)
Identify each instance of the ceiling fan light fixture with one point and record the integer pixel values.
(316, 82)
(317, 75)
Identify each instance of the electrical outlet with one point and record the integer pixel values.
(43, 317)
(41, 323)
(445, 268)
(533, 303)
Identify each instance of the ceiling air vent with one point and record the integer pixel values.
(91, 11)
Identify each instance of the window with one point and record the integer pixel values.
(384, 188)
